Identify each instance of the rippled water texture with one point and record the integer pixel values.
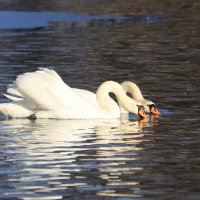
(153, 43)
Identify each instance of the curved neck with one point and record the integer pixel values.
(107, 103)
(132, 88)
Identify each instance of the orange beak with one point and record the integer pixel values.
(154, 111)
(141, 113)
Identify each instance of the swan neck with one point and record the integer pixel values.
(133, 89)
(106, 101)
(103, 98)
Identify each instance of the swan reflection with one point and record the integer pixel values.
(70, 136)
(57, 154)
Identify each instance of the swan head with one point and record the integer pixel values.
(153, 109)
(149, 106)
(141, 112)
(133, 106)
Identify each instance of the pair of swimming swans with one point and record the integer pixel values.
(43, 94)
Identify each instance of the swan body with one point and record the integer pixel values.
(136, 93)
(44, 94)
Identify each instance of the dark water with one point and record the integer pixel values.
(153, 43)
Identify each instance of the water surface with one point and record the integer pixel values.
(153, 43)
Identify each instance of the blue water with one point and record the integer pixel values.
(26, 20)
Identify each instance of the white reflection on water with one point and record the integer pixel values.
(54, 158)
(47, 156)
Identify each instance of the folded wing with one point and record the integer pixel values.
(45, 89)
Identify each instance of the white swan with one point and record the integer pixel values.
(43, 94)
(136, 93)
